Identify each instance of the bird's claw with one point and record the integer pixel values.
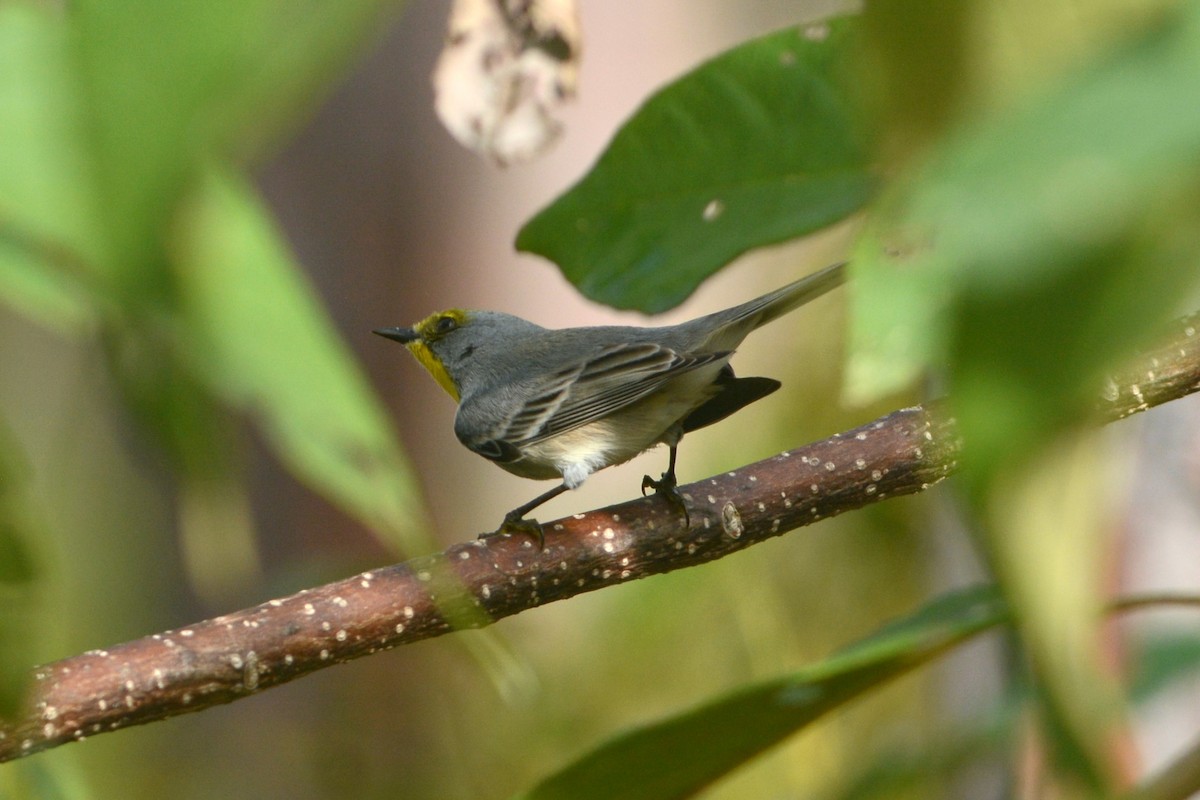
(668, 489)
(516, 525)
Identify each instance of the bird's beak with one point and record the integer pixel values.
(402, 335)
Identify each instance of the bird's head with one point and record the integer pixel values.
(439, 342)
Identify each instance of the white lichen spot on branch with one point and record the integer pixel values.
(731, 520)
(250, 672)
(817, 32)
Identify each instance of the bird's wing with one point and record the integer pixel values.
(611, 379)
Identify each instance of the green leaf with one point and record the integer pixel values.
(254, 331)
(135, 97)
(1037, 249)
(1052, 237)
(311, 45)
(759, 145)
(1048, 534)
(920, 61)
(130, 95)
(47, 224)
(167, 84)
(681, 755)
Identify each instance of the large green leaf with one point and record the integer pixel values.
(681, 755)
(253, 330)
(757, 146)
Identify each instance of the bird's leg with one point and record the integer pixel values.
(515, 522)
(667, 488)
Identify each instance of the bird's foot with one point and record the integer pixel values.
(514, 524)
(668, 489)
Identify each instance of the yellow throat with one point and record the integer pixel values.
(427, 328)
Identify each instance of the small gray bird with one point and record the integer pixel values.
(562, 404)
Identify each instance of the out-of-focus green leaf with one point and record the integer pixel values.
(1047, 527)
(168, 83)
(679, 756)
(256, 333)
(136, 97)
(917, 67)
(31, 283)
(311, 44)
(890, 351)
(182, 409)
(1042, 231)
(759, 145)
(1031, 253)
(47, 225)
(166, 88)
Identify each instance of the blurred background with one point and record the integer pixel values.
(391, 220)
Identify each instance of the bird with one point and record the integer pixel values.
(561, 404)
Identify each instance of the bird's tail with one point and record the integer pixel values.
(727, 328)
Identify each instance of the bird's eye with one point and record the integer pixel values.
(445, 325)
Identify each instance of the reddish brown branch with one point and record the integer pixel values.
(476, 583)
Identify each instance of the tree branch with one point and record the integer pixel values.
(478, 582)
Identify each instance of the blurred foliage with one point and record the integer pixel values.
(124, 221)
(679, 756)
(122, 217)
(1028, 192)
(1035, 248)
(267, 357)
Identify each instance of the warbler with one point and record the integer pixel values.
(562, 404)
